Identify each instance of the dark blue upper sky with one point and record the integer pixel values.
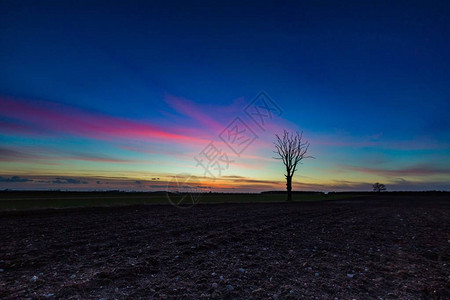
(358, 67)
(348, 55)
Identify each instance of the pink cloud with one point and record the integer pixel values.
(190, 109)
(57, 118)
(13, 127)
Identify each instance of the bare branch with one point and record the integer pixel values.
(291, 149)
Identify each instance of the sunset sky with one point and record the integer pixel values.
(126, 95)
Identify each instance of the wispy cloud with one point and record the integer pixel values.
(418, 170)
(98, 158)
(14, 179)
(16, 127)
(376, 141)
(69, 181)
(58, 118)
(51, 155)
(7, 154)
(190, 109)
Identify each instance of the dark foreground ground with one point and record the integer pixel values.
(375, 248)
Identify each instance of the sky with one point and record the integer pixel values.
(146, 95)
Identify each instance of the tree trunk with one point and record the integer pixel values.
(289, 188)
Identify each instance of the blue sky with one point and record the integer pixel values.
(367, 82)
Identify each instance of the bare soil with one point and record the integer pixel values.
(367, 248)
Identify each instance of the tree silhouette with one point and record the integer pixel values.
(291, 150)
(378, 187)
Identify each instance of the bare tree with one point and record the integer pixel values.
(291, 150)
(378, 187)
